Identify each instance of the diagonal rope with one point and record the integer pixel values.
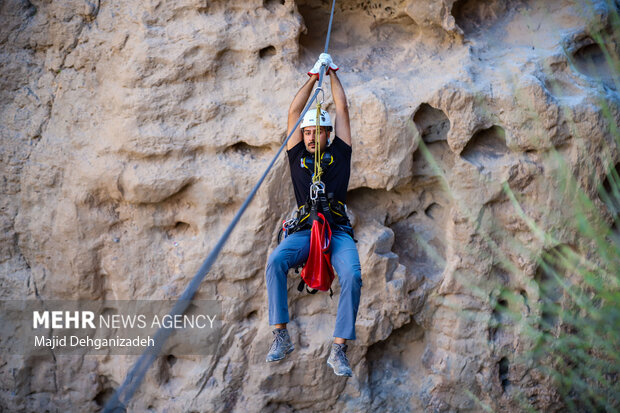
(135, 376)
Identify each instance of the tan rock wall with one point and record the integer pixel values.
(133, 130)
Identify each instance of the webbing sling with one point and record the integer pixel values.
(134, 377)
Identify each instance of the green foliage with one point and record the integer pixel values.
(576, 332)
(577, 335)
(568, 320)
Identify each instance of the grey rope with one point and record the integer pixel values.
(329, 28)
(125, 392)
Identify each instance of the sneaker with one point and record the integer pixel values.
(281, 346)
(338, 360)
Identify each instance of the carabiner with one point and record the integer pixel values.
(322, 94)
(315, 189)
(289, 223)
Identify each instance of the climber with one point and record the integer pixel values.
(294, 249)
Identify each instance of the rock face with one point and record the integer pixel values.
(133, 130)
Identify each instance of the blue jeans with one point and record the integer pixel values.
(292, 252)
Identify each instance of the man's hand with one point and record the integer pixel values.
(324, 59)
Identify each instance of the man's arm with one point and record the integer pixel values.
(342, 127)
(297, 106)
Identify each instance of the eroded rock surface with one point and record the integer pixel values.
(133, 130)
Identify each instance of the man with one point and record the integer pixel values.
(293, 250)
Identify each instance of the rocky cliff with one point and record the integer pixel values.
(133, 130)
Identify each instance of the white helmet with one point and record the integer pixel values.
(310, 119)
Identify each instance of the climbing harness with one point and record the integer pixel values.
(299, 218)
(317, 273)
(136, 374)
(307, 162)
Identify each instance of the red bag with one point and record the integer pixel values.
(318, 273)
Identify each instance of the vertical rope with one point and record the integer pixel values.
(329, 28)
(318, 171)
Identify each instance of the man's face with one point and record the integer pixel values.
(310, 135)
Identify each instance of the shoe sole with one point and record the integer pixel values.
(289, 351)
(336, 373)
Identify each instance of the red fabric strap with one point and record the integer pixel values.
(318, 273)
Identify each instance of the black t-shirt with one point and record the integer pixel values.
(335, 176)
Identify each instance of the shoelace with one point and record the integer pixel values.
(279, 339)
(342, 355)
